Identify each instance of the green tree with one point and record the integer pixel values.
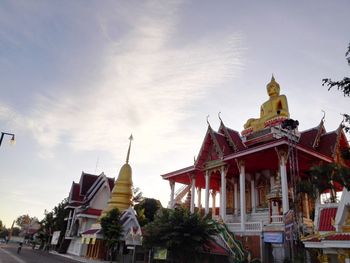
(112, 229)
(53, 221)
(1, 225)
(342, 85)
(325, 177)
(183, 233)
(24, 220)
(46, 228)
(146, 210)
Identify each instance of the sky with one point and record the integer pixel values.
(78, 77)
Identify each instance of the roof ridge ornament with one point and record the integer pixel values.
(128, 154)
(324, 116)
(208, 120)
(220, 116)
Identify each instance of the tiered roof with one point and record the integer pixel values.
(83, 192)
(227, 144)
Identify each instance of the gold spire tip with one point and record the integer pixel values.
(128, 154)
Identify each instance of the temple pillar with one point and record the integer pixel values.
(252, 194)
(306, 205)
(207, 186)
(213, 194)
(172, 194)
(193, 193)
(284, 181)
(199, 199)
(242, 194)
(223, 193)
(235, 193)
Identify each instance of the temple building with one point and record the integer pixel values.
(120, 198)
(86, 201)
(255, 174)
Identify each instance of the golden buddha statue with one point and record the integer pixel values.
(276, 107)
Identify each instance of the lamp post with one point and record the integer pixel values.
(6, 133)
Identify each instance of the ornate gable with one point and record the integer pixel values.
(210, 149)
(232, 137)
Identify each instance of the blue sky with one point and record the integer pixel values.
(77, 77)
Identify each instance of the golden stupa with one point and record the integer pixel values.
(122, 191)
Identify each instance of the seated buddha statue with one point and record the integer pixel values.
(276, 106)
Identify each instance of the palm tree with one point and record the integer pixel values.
(183, 233)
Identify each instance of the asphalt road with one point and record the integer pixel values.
(8, 254)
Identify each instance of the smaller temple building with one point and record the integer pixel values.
(86, 200)
(91, 199)
(331, 238)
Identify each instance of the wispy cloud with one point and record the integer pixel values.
(147, 87)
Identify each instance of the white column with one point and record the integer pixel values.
(199, 199)
(252, 194)
(235, 193)
(213, 194)
(193, 193)
(284, 184)
(172, 194)
(69, 222)
(242, 192)
(223, 193)
(207, 185)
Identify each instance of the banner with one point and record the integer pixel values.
(55, 237)
(273, 237)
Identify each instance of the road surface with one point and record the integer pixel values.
(8, 254)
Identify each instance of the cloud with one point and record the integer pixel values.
(147, 86)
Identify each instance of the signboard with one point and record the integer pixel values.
(55, 237)
(160, 253)
(273, 237)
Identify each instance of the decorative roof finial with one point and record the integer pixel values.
(324, 116)
(127, 156)
(273, 77)
(208, 120)
(219, 116)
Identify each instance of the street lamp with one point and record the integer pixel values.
(12, 141)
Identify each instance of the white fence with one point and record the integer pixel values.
(249, 227)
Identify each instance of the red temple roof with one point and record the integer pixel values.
(86, 181)
(327, 217)
(338, 237)
(91, 211)
(327, 144)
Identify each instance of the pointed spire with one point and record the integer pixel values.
(127, 156)
(273, 78)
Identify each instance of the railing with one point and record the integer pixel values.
(249, 227)
(277, 219)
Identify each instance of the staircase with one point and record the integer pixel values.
(179, 194)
